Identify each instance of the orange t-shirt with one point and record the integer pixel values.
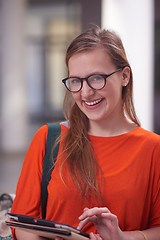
(131, 189)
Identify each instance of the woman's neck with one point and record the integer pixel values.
(111, 128)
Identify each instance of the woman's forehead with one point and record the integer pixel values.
(89, 61)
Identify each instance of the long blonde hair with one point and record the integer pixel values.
(79, 154)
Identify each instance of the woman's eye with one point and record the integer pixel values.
(96, 78)
(74, 81)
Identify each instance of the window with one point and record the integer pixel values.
(50, 27)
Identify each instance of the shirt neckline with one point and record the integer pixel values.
(117, 136)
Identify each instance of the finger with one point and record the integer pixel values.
(109, 216)
(93, 236)
(93, 211)
(58, 238)
(85, 209)
(85, 221)
(112, 224)
(82, 224)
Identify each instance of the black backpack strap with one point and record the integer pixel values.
(54, 131)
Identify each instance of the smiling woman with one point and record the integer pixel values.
(105, 158)
(105, 100)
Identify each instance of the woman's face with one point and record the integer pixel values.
(97, 105)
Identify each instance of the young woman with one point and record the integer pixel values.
(107, 175)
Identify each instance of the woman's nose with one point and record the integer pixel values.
(86, 90)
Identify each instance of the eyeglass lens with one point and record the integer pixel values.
(95, 81)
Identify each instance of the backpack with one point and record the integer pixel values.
(54, 130)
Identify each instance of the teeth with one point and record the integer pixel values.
(93, 103)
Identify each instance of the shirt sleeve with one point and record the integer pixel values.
(155, 207)
(28, 192)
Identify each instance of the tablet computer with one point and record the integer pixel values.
(45, 228)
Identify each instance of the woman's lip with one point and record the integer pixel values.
(92, 104)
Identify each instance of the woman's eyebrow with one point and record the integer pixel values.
(94, 73)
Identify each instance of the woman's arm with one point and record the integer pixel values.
(108, 228)
(28, 192)
(23, 235)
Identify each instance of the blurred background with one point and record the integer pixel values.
(34, 35)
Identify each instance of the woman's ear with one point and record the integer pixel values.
(125, 76)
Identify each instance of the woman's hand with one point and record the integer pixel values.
(105, 222)
(23, 235)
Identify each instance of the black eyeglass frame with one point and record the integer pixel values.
(105, 76)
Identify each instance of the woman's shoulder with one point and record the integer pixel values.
(149, 139)
(41, 133)
(39, 139)
(44, 128)
(149, 135)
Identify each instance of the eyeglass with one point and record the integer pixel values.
(94, 81)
